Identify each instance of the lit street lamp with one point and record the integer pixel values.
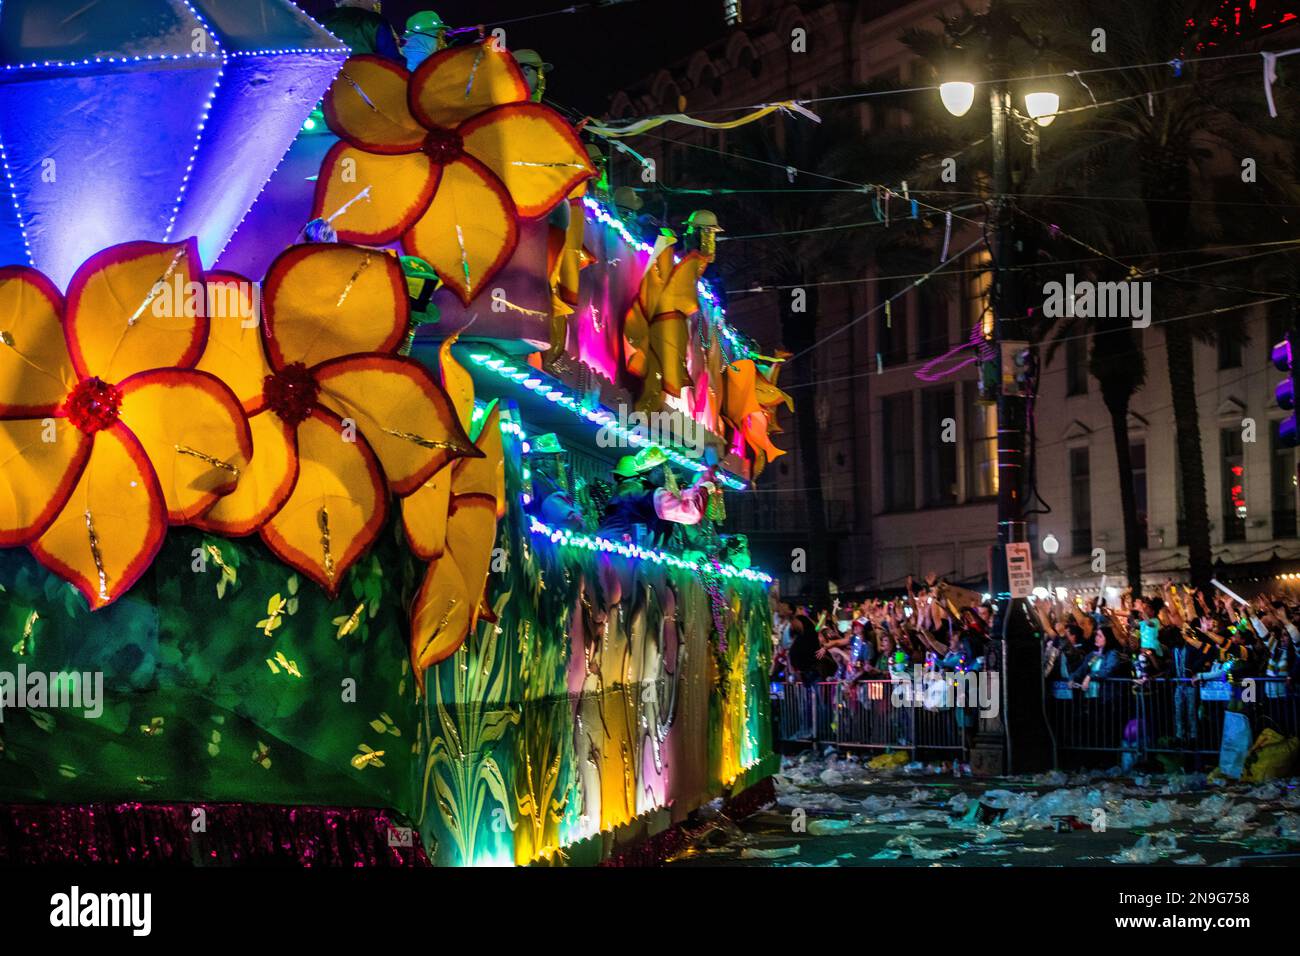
(1042, 106)
(957, 96)
(1019, 658)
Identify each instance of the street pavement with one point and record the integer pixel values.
(834, 811)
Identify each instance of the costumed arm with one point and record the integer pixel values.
(1081, 671)
(928, 639)
(686, 506)
(1189, 635)
(1109, 664)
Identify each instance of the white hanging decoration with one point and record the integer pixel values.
(1270, 75)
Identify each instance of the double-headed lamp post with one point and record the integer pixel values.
(994, 30)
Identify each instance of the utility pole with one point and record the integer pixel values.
(1021, 684)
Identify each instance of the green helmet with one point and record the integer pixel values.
(426, 21)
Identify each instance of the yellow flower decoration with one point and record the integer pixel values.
(452, 521)
(107, 434)
(338, 419)
(655, 331)
(446, 159)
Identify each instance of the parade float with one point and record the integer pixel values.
(312, 430)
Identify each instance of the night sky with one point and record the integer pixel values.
(595, 51)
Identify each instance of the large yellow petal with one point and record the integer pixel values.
(574, 258)
(455, 84)
(325, 301)
(367, 106)
(373, 198)
(669, 341)
(337, 506)
(404, 415)
(424, 516)
(636, 338)
(769, 396)
(36, 475)
(739, 398)
(235, 352)
(195, 433)
(470, 230)
(439, 616)
(264, 485)
(137, 306)
(532, 150)
(486, 475)
(755, 428)
(456, 382)
(471, 538)
(658, 271)
(35, 369)
(681, 292)
(448, 605)
(110, 530)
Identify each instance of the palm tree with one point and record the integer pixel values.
(1118, 364)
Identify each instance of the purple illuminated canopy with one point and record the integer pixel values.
(146, 119)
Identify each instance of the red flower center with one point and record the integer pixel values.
(443, 145)
(291, 393)
(92, 405)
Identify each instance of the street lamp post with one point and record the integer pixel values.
(1021, 684)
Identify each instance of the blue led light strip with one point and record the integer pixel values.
(97, 60)
(340, 52)
(600, 416)
(591, 542)
(13, 198)
(203, 118)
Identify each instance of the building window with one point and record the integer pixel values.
(1229, 350)
(1234, 484)
(981, 438)
(897, 452)
(1076, 365)
(1138, 460)
(892, 322)
(939, 446)
(1284, 486)
(931, 322)
(1080, 502)
(979, 311)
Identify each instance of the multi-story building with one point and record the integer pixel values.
(908, 464)
(1250, 477)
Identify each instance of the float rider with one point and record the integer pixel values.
(534, 69)
(360, 25)
(425, 35)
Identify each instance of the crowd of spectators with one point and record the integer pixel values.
(1192, 636)
(934, 626)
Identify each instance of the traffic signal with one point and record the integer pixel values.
(1286, 390)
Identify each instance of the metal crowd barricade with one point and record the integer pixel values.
(1119, 717)
(866, 714)
(1174, 716)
